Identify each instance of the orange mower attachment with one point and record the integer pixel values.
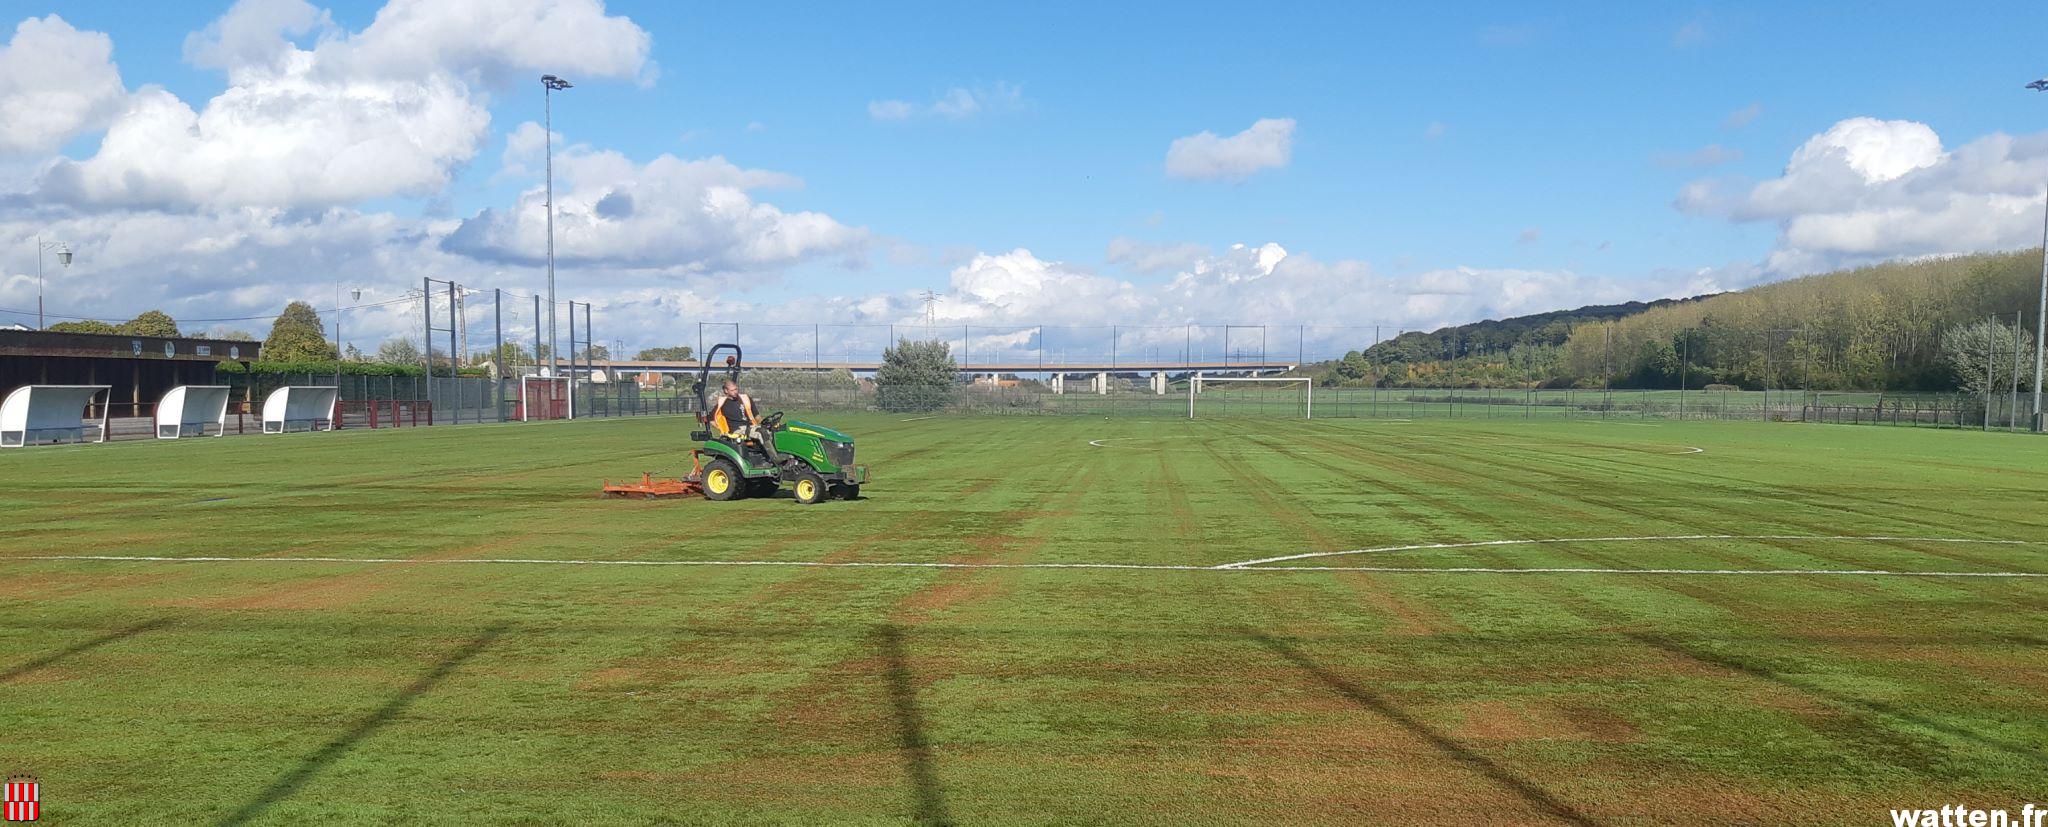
(652, 489)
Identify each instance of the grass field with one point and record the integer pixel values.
(1011, 691)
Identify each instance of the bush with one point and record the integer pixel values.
(1720, 387)
(916, 377)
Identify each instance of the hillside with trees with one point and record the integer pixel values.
(1512, 352)
(1899, 326)
(1872, 328)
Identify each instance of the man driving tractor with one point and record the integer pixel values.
(734, 417)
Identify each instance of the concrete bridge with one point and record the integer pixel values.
(1096, 375)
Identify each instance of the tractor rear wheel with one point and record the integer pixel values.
(722, 481)
(809, 487)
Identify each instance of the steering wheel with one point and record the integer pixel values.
(772, 421)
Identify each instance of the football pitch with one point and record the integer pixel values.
(1034, 620)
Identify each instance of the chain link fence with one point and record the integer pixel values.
(401, 401)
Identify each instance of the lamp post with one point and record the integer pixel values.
(2041, 313)
(63, 258)
(354, 294)
(549, 86)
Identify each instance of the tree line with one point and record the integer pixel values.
(299, 336)
(1921, 325)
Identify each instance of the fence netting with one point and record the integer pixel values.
(419, 401)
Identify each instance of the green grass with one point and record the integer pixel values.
(292, 693)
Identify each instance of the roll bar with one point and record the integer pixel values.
(703, 386)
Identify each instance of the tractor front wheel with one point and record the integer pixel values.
(722, 481)
(809, 487)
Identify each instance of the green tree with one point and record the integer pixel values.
(916, 376)
(512, 353)
(594, 353)
(1984, 350)
(87, 326)
(297, 336)
(150, 323)
(399, 351)
(680, 353)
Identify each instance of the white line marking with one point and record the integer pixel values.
(918, 418)
(1098, 442)
(1477, 570)
(1114, 566)
(1671, 538)
(1690, 450)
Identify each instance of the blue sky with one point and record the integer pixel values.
(1491, 137)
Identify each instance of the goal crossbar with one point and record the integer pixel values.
(1308, 385)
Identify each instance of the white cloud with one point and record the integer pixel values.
(1246, 284)
(56, 82)
(233, 263)
(956, 103)
(253, 33)
(390, 110)
(669, 214)
(891, 110)
(251, 261)
(1868, 189)
(1146, 257)
(1743, 117)
(1435, 130)
(1267, 144)
(483, 39)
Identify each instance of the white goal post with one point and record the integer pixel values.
(1308, 385)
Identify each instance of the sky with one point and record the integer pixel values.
(1344, 167)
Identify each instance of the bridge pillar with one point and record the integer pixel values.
(1196, 379)
(1059, 383)
(1159, 382)
(1102, 383)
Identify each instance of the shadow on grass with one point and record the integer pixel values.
(1379, 704)
(1737, 664)
(95, 643)
(918, 759)
(313, 764)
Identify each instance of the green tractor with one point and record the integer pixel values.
(815, 460)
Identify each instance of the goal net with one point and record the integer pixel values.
(1267, 396)
(543, 398)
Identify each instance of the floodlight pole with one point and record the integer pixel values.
(572, 357)
(498, 351)
(549, 86)
(63, 257)
(2041, 324)
(2041, 312)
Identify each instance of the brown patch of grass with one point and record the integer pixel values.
(1530, 721)
(1408, 618)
